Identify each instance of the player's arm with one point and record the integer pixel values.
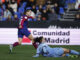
(31, 17)
(37, 52)
(44, 49)
(45, 52)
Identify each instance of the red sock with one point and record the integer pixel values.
(15, 44)
(35, 45)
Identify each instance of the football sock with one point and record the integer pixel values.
(15, 44)
(74, 52)
(35, 45)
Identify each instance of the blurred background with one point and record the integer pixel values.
(61, 17)
(51, 14)
(43, 10)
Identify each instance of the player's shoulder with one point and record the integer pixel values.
(24, 16)
(43, 44)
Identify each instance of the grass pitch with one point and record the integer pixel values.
(25, 52)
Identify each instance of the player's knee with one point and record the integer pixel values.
(30, 37)
(66, 50)
(19, 43)
(20, 40)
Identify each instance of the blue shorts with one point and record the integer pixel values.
(22, 32)
(58, 52)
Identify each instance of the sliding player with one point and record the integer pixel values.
(47, 51)
(23, 30)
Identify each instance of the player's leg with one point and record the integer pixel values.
(64, 52)
(67, 55)
(15, 44)
(71, 51)
(58, 52)
(29, 35)
(31, 38)
(20, 36)
(63, 55)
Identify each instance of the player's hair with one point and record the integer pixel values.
(26, 11)
(38, 39)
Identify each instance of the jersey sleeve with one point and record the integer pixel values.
(31, 17)
(23, 18)
(44, 49)
(38, 50)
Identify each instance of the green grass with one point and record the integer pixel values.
(26, 52)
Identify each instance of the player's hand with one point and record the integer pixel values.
(33, 17)
(20, 26)
(36, 55)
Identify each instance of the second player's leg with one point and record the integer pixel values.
(71, 51)
(19, 40)
(66, 50)
(31, 38)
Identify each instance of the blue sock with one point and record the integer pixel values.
(67, 55)
(74, 52)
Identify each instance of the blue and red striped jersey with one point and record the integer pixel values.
(24, 21)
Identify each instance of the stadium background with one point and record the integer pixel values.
(66, 15)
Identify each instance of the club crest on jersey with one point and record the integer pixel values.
(25, 17)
